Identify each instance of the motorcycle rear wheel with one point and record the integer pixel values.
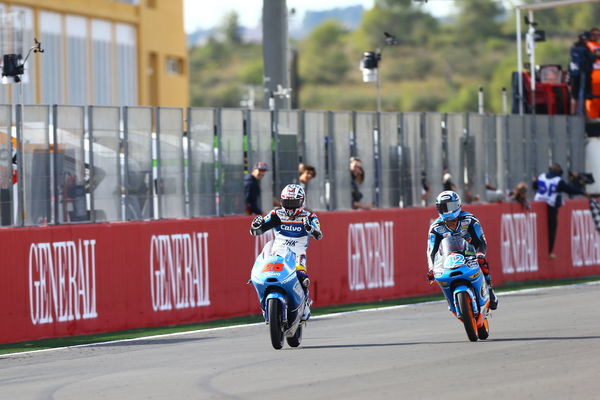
(275, 323)
(295, 340)
(464, 304)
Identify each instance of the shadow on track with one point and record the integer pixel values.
(346, 346)
(524, 339)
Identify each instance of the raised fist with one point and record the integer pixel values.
(308, 226)
(257, 222)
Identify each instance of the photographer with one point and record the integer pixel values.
(578, 180)
(548, 187)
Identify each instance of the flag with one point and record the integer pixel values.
(595, 209)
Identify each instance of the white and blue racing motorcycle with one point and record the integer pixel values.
(281, 295)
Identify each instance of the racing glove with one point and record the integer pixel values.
(308, 226)
(430, 277)
(483, 264)
(257, 222)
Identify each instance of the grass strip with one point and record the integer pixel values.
(143, 332)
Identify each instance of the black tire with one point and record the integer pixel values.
(484, 331)
(295, 340)
(275, 323)
(464, 304)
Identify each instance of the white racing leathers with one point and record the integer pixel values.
(291, 232)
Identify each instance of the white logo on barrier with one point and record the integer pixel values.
(585, 240)
(62, 281)
(371, 255)
(519, 243)
(179, 271)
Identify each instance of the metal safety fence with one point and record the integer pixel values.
(71, 164)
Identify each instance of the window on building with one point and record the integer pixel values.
(102, 63)
(174, 65)
(126, 64)
(52, 63)
(77, 60)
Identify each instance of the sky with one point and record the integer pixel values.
(208, 14)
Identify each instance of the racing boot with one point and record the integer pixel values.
(493, 297)
(306, 313)
(305, 282)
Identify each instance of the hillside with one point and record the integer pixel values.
(437, 65)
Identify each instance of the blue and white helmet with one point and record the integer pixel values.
(292, 200)
(448, 205)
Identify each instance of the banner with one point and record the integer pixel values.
(84, 279)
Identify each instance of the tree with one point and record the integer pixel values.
(399, 17)
(230, 28)
(322, 57)
(477, 20)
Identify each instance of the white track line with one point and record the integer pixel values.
(333, 315)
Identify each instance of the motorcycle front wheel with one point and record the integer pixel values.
(275, 323)
(466, 312)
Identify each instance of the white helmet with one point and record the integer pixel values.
(448, 205)
(292, 200)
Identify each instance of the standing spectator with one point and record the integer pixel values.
(307, 172)
(252, 188)
(548, 187)
(425, 190)
(592, 104)
(357, 177)
(447, 180)
(519, 195)
(580, 67)
(493, 194)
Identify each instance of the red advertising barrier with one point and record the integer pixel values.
(84, 279)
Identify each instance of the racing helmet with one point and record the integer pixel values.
(448, 205)
(292, 200)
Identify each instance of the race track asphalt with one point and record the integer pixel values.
(543, 344)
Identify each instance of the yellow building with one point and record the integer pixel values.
(100, 52)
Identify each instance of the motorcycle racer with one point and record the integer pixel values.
(293, 227)
(453, 221)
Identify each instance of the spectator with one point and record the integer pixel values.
(493, 194)
(548, 187)
(252, 188)
(471, 198)
(357, 177)
(592, 104)
(425, 190)
(307, 172)
(519, 195)
(580, 68)
(447, 180)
